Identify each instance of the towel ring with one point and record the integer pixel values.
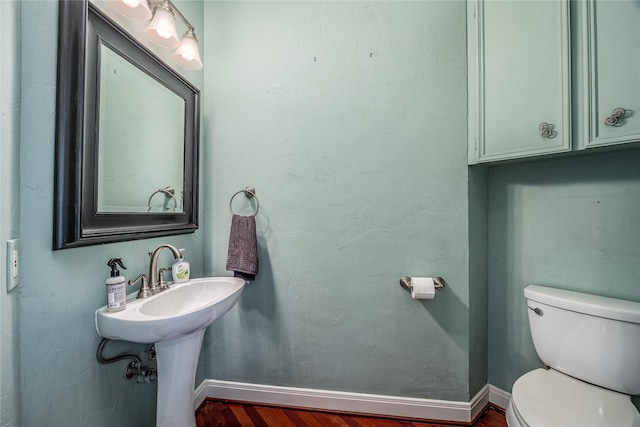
(168, 192)
(249, 192)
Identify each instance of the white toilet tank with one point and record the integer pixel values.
(595, 339)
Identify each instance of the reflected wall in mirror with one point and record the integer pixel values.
(127, 136)
(129, 132)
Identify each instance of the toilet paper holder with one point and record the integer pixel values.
(405, 282)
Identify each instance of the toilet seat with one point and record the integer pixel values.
(543, 398)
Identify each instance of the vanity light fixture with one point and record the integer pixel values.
(138, 9)
(162, 28)
(187, 54)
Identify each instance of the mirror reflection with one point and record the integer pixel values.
(140, 148)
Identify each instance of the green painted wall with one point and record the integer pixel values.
(62, 384)
(571, 223)
(478, 286)
(349, 118)
(9, 217)
(129, 132)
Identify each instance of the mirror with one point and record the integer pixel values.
(127, 136)
(129, 131)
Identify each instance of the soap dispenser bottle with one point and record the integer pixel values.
(180, 270)
(116, 287)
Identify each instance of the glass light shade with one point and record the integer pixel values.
(162, 28)
(137, 9)
(188, 55)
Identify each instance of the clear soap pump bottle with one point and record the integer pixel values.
(116, 287)
(180, 270)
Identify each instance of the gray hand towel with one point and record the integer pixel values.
(242, 257)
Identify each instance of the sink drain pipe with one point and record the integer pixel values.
(143, 374)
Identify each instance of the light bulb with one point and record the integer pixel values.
(137, 9)
(187, 55)
(162, 28)
(162, 33)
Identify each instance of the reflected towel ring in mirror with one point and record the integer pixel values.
(249, 192)
(169, 192)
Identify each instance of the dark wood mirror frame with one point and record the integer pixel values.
(77, 222)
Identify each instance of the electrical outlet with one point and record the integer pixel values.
(13, 252)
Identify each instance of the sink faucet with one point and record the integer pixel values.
(154, 281)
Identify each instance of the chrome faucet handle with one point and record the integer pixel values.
(145, 291)
(163, 284)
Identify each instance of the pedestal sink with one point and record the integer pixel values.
(175, 320)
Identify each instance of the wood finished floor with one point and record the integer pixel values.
(231, 414)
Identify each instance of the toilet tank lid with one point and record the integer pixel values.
(595, 305)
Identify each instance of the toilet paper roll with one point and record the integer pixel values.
(423, 288)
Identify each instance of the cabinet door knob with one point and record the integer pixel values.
(546, 130)
(615, 117)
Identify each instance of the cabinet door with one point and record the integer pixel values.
(613, 56)
(519, 75)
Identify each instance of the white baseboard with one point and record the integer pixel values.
(499, 397)
(326, 400)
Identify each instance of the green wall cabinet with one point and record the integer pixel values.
(611, 30)
(526, 57)
(519, 79)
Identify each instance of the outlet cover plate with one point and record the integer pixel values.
(12, 265)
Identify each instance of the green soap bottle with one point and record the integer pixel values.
(180, 270)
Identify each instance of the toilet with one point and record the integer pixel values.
(591, 347)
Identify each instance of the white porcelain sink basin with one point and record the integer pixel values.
(181, 310)
(175, 320)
